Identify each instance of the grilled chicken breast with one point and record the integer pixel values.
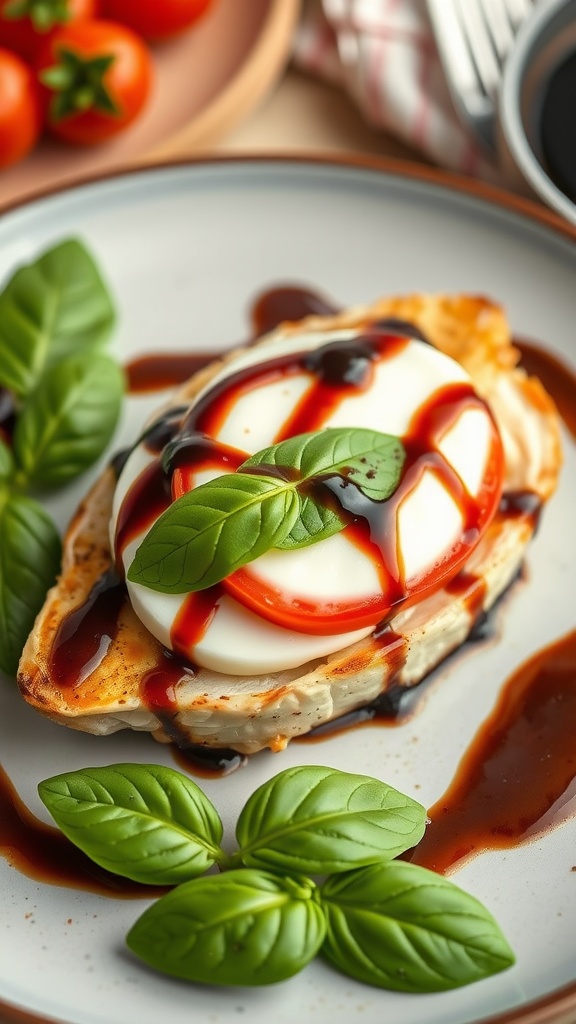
(91, 664)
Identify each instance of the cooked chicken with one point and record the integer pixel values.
(109, 673)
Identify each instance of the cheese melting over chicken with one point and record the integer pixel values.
(447, 497)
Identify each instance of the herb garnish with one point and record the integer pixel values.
(384, 922)
(216, 528)
(55, 316)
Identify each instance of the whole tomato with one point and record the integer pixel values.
(26, 25)
(97, 76)
(20, 109)
(156, 19)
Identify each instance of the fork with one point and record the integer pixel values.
(474, 38)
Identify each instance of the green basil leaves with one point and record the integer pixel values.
(322, 822)
(222, 525)
(151, 824)
(242, 928)
(68, 420)
(53, 308)
(400, 926)
(382, 921)
(65, 395)
(29, 561)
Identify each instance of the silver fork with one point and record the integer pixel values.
(474, 38)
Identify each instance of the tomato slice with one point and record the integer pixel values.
(302, 613)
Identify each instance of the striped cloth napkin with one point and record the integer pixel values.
(384, 54)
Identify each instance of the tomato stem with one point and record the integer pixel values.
(44, 14)
(79, 84)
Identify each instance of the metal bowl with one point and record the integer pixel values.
(546, 38)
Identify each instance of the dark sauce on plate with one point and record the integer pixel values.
(518, 767)
(43, 853)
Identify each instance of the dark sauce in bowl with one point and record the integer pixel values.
(557, 126)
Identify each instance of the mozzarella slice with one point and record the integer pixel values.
(240, 629)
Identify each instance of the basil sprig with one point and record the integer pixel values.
(384, 922)
(274, 500)
(55, 316)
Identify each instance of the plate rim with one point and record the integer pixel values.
(559, 1005)
(399, 167)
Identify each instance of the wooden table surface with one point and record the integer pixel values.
(304, 114)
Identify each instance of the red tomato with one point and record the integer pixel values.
(156, 19)
(28, 29)
(98, 76)
(20, 109)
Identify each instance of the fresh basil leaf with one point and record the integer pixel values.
(29, 561)
(372, 461)
(6, 461)
(315, 522)
(240, 928)
(68, 419)
(369, 460)
(145, 822)
(219, 526)
(399, 926)
(50, 309)
(211, 531)
(322, 821)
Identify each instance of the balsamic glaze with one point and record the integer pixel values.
(43, 853)
(84, 635)
(287, 302)
(518, 767)
(156, 372)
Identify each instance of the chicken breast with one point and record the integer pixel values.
(90, 664)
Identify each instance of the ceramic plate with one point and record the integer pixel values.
(206, 80)
(187, 248)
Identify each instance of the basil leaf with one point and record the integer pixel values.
(240, 928)
(48, 310)
(6, 461)
(68, 419)
(399, 926)
(367, 458)
(29, 562)
(323, 821)
(220, 526)
(145, 822)
(315, 522)
(211, 531)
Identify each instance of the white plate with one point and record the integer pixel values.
(186, 249)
